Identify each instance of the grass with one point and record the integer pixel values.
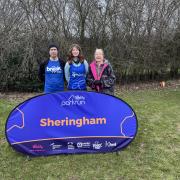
(154, 154)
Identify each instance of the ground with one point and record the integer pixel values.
(154, 154)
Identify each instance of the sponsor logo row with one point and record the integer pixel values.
(79, 145)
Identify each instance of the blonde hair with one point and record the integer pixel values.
(99, 50)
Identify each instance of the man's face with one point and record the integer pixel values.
(53, 52)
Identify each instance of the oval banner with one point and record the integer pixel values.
(71, 122)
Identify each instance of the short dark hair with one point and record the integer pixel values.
(53, 46)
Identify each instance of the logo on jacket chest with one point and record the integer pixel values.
(54, 69)
(75, 74)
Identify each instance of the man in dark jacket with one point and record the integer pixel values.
(51, 71)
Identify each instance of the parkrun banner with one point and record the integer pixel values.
(71, 122)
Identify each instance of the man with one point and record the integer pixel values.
(51, 71)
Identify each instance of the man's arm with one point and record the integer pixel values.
(41, 72)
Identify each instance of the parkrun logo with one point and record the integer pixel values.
(47, 122)
(54, 69)
(74, 74)
(74, 100)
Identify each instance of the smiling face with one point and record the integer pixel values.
(75, 52)
(53, 52)
(99, 55)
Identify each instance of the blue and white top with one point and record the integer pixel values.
(75, 75)
(54, 77)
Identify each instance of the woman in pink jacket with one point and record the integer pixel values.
(101, 77)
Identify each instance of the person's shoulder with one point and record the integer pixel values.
(44, 62)
(85, 61)
(67, 64)
(92, 62)
(107, 62)
(61, 60)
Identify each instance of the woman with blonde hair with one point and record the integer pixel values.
(101, 77)
(76, 69)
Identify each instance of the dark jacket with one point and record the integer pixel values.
(107, 79)
(41, 72)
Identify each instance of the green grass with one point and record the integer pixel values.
(154, 154)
